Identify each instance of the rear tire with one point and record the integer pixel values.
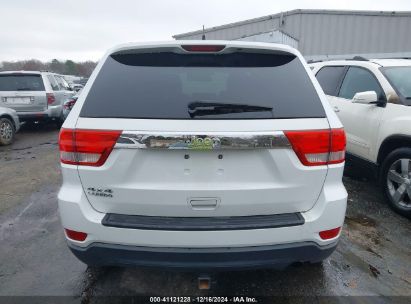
(395, 179)
(7, 131)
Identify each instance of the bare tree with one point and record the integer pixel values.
(68, 67)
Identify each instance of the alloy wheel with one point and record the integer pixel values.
(399, 182)
(6, 131)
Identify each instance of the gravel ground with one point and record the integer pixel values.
(373, 257)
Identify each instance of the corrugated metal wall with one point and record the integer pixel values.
(272, 37)
(235, 31)
(327, 32)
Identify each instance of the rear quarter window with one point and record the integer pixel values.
(163, 85)
(53, 83)
(25, 82)
(330, 78)
(62, 83)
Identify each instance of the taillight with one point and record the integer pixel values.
(69, 104)
(318, 147)
(329, 234)
(50, 98)
(86, 147)
(76, 235)
(338, 142)
(203, 48)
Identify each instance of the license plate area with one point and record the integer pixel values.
(19, 100)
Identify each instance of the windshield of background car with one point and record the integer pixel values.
(400, 79)
(163, 85)
(10, 82)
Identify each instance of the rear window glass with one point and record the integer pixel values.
(193, 86)
(21, 83)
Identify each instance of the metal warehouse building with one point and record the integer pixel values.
(321, 34)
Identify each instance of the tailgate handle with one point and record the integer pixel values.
(204, 203)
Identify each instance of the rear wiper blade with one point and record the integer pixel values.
(202, 108)
(212, 105)
(23, 89)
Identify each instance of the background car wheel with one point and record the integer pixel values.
(59, 121)
(6, 131)
(396, 180)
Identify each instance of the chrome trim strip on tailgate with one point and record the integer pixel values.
(210, 141)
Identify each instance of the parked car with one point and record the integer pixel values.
(34, 95)
(83, 81)
(71, 79)
(69, 104)
(202, 154)
(76, 87)
(373, 100)
(9, 125)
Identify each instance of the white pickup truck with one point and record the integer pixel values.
(372, 98)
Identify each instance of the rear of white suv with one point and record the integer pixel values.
(202, 154)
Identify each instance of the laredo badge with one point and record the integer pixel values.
(100, 192)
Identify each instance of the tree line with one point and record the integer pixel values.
(68, 67)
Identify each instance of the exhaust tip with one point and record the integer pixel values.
(204, 282)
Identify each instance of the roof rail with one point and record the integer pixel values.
(314, 61)
(359, 58)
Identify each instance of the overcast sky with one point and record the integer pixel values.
(84, 29)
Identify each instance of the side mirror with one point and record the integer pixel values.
(367, 97)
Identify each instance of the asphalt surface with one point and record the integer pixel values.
(373, 257)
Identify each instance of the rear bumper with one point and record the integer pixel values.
(277, 256)
(238, 248)
(50, 112)
(33, 116)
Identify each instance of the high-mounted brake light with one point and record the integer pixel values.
(86, 147)
(203, 48)
(50, 98)
(318, 147)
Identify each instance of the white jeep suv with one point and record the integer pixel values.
(199, 155)
(373, 100)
